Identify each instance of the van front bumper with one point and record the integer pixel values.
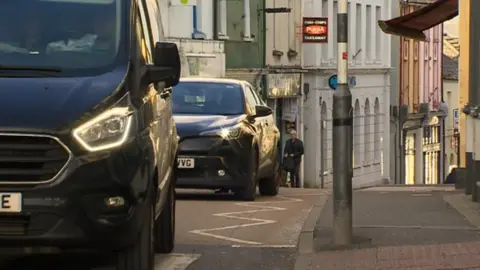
(82, 208)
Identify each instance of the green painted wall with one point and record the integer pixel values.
(241, 54)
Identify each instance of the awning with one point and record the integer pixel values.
(413, 24)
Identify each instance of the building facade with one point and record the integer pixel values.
(420, 99)
(369, 77)
(283, 59)
(243, 31)
(450, 93)
(206, 31)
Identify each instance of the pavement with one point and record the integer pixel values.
(399, 227)
(217, 232)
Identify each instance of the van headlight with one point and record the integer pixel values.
(108, 130)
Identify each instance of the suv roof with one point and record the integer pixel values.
(213, 80)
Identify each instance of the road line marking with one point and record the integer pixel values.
(264, 246)
(306, 194)
(175, 261)
(256, 221)
(172, 261)
(422, 195)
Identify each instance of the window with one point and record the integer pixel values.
(357, 129)
(376, 138)
(368, 31)
(145, 41)
(335, 26)
(207, 98)
(250, 97)
(258, 99)
(75, 35)
(358, 38)
(378, 34)
(367, 133)
(154, 18)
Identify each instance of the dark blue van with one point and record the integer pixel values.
(88, 144)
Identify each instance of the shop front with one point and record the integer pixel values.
(431, 146)
(284, 97)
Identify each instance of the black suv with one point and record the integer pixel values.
(88, 144)
(228, 138)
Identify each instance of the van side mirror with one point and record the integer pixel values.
(166, 64)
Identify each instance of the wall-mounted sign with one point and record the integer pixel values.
(315, 30)
(283, 85)
(333, 81)
(456, 118)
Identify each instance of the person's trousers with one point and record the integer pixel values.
(295, 176)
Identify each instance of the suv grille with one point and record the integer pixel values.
(30, 159)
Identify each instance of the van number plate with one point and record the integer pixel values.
(186, 163)
(10, 202)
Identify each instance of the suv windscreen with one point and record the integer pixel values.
(66, 35)
(208, 98)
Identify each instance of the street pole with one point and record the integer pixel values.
(342, 137)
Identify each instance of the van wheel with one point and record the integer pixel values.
(165, 223)
(140, 255)
(248, 193)
(270, 186)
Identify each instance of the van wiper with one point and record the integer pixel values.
(30, 68)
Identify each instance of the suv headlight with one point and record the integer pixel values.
(108, 130)
(230, 133)
(226, 132)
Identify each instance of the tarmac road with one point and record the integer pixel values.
(217, 232)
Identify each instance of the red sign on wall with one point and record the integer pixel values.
(315, 30)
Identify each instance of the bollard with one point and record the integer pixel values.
(460, 175)
(476, 155)
(469, 155)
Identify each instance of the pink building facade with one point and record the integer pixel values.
(420, 95)
(431, 68)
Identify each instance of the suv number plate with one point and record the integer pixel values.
(186, 163)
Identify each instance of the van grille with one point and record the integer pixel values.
(30, 159)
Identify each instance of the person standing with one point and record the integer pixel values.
(294, 151)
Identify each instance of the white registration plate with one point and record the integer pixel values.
(10, 202)
(186, 163)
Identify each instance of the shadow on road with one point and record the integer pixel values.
(204, 195)
(56, 262)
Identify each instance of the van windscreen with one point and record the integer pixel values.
(70, 35)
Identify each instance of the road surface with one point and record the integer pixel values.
(217, 232)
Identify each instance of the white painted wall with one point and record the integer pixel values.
(282, 33)
(177, 19)
(451, 27)
(450, 88)
(371, 67)
(205, 58)
(365, 37)
(372, 142)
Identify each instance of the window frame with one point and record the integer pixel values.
(145, 26)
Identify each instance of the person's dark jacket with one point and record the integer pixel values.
(295, 148)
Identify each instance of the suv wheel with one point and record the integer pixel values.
(165, 224)
(248, 193)
(140, 255)
(270, 186)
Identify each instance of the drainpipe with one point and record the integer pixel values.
(247, 35)
(196, 33)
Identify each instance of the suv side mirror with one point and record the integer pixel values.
(166, 64)
(261, 111)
